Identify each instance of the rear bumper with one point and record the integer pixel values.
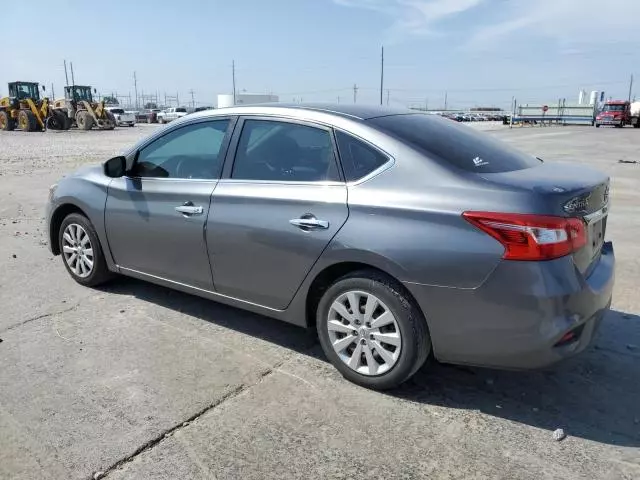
(518, 316)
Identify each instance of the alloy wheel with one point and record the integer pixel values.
(364, 333)
(77, 250)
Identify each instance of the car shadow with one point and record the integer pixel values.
(595, 395)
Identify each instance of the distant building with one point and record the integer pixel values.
(485, 109)
(226, 99)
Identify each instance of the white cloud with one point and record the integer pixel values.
(413, 17)
(566, 21)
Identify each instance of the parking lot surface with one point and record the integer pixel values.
(135, 381)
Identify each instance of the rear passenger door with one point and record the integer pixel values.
(278, 205)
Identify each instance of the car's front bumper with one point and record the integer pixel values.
(518, 317)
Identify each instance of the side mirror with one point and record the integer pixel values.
(44, 89)
(95, 90)
(115, 167)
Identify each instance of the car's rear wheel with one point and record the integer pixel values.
(81, 252)
(371, 330)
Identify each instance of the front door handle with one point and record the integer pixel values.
(309, 222)
(188, 209)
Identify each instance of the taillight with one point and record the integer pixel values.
(531, 237)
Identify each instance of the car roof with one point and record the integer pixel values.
(353, 111)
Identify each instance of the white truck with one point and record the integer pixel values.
(122, 117)
(170, 114)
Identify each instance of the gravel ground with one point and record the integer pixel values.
(141, 382)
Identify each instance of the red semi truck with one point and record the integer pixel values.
(619, 113)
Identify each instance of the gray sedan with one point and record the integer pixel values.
(398, 236)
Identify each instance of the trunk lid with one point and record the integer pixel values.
(566, 190)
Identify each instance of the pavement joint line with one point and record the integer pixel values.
(184, 423)
(39, 317)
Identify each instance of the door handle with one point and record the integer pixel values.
(188, 209)
(309, 222)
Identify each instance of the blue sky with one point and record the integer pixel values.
(479, 51)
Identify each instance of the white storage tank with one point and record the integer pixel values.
(226, 99)
(593, 97)
(581, 96)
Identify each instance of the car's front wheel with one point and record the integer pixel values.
(371, 330)
(81, 252)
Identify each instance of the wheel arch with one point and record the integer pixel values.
(328, 275)
(57, 217)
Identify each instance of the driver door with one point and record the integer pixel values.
(155, 216)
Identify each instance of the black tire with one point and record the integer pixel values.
(416, 342)
(67, 120)
(84, 120)
(100, 273)
(57, 120)
(111, 117)
(27, 121)
(7, 123)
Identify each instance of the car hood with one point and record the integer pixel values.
(88, 170)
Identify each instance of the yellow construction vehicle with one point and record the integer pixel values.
(24, 108)
(81, 110)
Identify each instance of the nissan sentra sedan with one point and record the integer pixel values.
(399, 236)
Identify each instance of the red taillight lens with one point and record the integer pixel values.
(531, 237)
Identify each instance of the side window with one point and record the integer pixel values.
(358, 159)
(280, 151)
(188, 152)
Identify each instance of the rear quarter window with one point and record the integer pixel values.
(458, 145)
(358, 159)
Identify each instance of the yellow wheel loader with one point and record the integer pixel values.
(24, 108)
(81, 110)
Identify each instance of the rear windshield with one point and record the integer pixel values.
(458, 145)
(119, 111)
(181, 110)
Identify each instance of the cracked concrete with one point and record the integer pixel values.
(140, 382)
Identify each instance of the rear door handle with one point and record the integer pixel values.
(188, 209)
(309, 223)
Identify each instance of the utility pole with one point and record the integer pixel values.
(233, 80)
(338, 98)
(382, 76)
(66, 77)
(193, 101)
(445, 101)
(73, 81)
(513, 111)
(630, 86)
(177, 100)
(355, 92)
(387, 98)
(53, 93)
(426, 105)
(135, 87)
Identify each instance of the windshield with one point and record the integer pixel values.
(119, 111)
(27, 90)
(459, 145)
(81, 93)
(613, 108)
(181, 110)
